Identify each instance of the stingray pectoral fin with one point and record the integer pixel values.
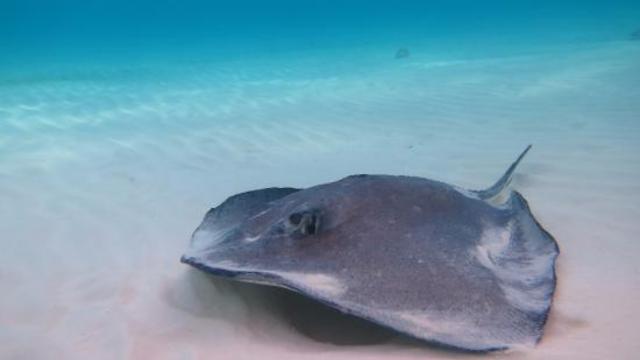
(222, 219)
(502, 184)
(522, 257)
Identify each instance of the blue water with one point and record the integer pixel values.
(123, 122)
(99, 31)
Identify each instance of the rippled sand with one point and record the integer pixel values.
(104, 174)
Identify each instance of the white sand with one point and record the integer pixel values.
(104, 176)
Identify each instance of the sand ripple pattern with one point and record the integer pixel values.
(105, 173)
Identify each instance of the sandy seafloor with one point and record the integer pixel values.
(106, 171)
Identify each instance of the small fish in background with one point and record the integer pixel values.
(635, 35)
(402, 53)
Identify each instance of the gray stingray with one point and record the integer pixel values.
(467, 269)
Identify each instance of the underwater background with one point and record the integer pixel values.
(123, 122)
(139, 32)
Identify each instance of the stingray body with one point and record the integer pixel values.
(468, 269)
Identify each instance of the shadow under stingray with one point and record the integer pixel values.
(312, 319)
(307, 317)
(324, 324)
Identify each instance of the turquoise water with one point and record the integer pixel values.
(134, 32)
(123, 122)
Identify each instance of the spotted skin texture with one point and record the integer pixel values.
(419, 256)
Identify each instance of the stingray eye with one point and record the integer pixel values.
(295, 218)
(306, 222)
(310, 227)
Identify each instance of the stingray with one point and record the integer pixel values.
(466, 269)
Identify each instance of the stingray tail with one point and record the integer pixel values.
(503, 183)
